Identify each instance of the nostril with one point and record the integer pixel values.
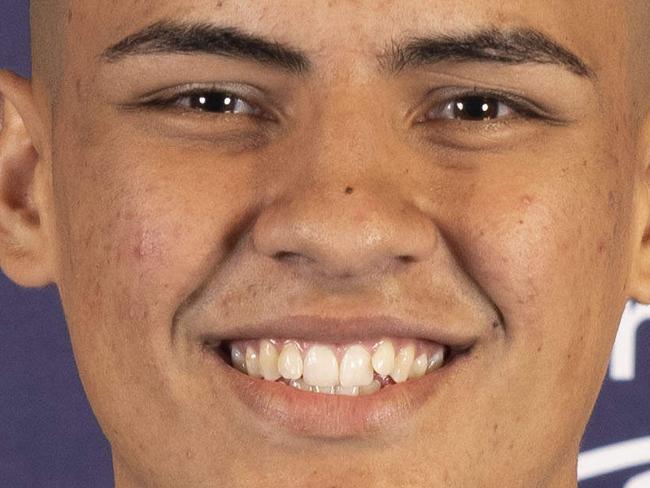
(406, 259)
(285, 255)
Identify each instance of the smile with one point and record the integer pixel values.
(358, 368)
(331, 378)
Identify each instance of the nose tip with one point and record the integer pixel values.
(344, 236)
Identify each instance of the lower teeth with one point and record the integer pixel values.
(373, 387)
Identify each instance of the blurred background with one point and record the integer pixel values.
(49, 437)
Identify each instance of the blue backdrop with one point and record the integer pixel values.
(49, 437)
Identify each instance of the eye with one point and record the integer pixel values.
(206, 100)
(214, 102)
(472, 108)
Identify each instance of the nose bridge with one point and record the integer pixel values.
(349, 211)
(347, 132)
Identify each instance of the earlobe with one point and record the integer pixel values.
(25, 255)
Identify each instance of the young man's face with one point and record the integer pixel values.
(367, 178)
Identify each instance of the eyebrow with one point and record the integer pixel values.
(517, 46)
(167, 37)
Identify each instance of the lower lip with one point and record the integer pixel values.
(333, 416)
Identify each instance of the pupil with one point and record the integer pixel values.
(213, 102)
(476, 108)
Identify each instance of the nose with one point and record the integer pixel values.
(345, 232)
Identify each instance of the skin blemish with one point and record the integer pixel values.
(251, 290)
(613, 200)
(349, 190)
(146, 246)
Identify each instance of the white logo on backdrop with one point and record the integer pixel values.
(616, 457)
(639, 481)
(622, 367)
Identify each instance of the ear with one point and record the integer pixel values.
(25, 253)
(639, 279)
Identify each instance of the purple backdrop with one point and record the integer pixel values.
(49, 437)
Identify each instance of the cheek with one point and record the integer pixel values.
(135, 245)
(146, 219)
(530, 245)
(137, 231)
(550, 258)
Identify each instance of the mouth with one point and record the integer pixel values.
(352, 369)
(335, 387)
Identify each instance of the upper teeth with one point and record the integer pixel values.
(356, 369)
(290, 362)
(349, 369)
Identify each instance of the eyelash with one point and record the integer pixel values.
(516, 106)
(174, 101)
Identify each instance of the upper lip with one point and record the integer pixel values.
(341, 330)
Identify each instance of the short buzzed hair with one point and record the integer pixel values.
(47, 36)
